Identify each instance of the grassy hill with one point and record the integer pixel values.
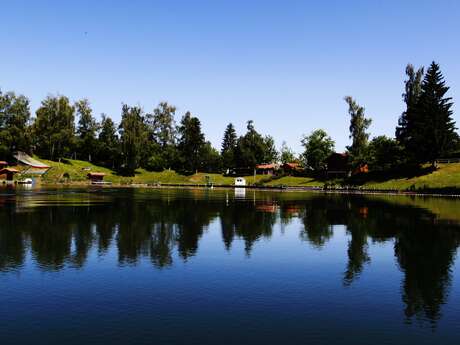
(447, 177)
(75, 171)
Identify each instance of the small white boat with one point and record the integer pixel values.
(26, 181)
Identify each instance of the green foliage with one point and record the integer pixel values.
(358, 132)
(426, 129)
(270, 153)
(317, 148)
(253, 149)
(14, 124)
(210, 159)
(133, 138)
(229, 144)
(54, 128)
(161, 124)
(191, 142)
(86, 130)
(384, 154)
(407, 121)
(108, 143)
(286, 154)
(435, 129)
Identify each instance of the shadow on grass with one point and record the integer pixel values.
(382, 176)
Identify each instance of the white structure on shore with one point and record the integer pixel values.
(240, 181)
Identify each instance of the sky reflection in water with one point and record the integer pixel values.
(215, 266)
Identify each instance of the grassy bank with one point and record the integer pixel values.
(447, 177)
(75, 171)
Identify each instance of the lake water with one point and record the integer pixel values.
(145, 266)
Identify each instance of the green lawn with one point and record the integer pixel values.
(75, 171)
(447, 176)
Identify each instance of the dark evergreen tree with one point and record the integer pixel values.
(229, 143)
(251, 148)
(434, 133)
(191, 142)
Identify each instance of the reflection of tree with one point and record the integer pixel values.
(12, 247)
(357, 251)
(425, 253)
(317, 225)
(243, 220)
(161, 245)
(157, 225)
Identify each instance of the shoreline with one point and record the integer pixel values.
(350, 190)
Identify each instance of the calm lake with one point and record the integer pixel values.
(146, 266)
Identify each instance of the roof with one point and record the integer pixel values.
(8, 170)
(265, 166)
(3, 163)
(292, 165)
(343, 154)
(24, 158)
(95, 174)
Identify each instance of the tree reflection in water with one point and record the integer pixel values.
(155, 225)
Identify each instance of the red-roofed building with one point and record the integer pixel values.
(8, 173)
(292, 168)
(266, 169)
(96, 177)
(338, 165)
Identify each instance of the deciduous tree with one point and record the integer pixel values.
(359, 125)
(54, 128)
(318, 146)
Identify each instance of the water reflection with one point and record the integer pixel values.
(63, 230)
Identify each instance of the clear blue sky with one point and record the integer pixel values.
(284, 64)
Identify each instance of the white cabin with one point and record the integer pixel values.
(239, 181)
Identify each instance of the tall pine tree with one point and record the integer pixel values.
(229, 143)
(191, 142)
(434, 134)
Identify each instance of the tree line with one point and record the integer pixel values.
(154, 141)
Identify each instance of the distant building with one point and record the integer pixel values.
(239, 172)
(239, 181)
(266, 169)
(362, 169)
(338, 165)
(96, 177)
(8, 173)
(292, 168)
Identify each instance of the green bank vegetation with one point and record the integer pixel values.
(150, 147)
(75, 171)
